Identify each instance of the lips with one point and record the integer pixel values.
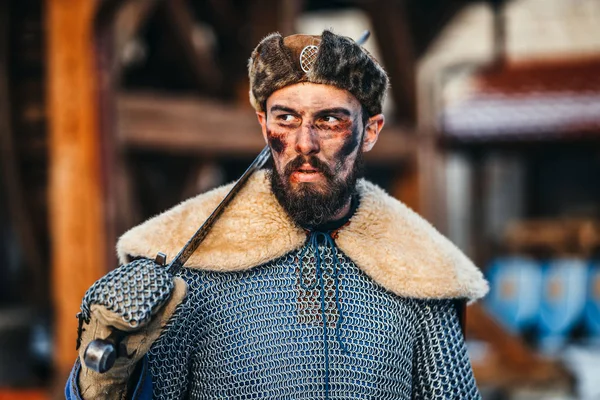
(305, 175)
(307, 169)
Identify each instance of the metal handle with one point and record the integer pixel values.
(100, 355)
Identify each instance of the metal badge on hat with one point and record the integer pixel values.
(308, 56)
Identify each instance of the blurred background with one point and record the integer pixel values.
(112, 111)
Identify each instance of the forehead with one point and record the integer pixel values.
(312, 97)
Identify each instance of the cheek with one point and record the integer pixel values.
(277, 141)
(351, 141)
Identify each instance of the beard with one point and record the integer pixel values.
(308, 205)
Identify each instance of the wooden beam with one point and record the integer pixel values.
(391, 27)
(268, 16)
(229, 21)
(129, 20)
(226, 16)
(193, 125)
(77, 220)
(427, 22)
(290, 10)
(199, 60)
(516, 363)
(406, 186)
(186, 124)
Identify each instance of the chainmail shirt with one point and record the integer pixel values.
(309, 325)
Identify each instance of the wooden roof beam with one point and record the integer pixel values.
(179, 18)
(391, 27)
(128, 22)
(193, 125)
(513, 363)
(267, 16)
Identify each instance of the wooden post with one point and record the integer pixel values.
(406, 186)
(390, 24)
(199, 61)
(510, 361)
(77, 220)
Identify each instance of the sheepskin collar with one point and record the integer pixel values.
(388, 241)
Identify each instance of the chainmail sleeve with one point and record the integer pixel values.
(441, 366)
(170, 356)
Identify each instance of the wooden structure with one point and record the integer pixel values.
(109, 118)
(510, 362)
(493, 102)
(77, 185)
(92, 129)
(200, 126)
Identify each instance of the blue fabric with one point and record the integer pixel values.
(143, 387)
(71, 389)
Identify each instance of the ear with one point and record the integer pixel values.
(262, 120)
(372, 129)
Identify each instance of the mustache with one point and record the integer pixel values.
(313, 161)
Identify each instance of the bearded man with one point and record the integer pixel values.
(313, 283)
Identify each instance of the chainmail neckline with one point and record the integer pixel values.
(314, 237)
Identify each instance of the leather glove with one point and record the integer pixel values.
(104, 316)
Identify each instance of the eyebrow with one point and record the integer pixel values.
(278, 107)
(320, 113)
(335, 110)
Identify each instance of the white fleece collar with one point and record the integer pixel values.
(388, 241)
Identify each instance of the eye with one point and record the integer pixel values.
(286, 117)
(330, 119)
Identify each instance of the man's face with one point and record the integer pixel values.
(317, 135)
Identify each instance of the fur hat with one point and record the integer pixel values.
(328, 59)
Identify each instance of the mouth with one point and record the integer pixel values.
(307, 169)
(306, 174)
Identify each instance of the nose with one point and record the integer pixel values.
(307, 140)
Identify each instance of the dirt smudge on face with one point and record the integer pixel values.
(351, 141)
(276, 141)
